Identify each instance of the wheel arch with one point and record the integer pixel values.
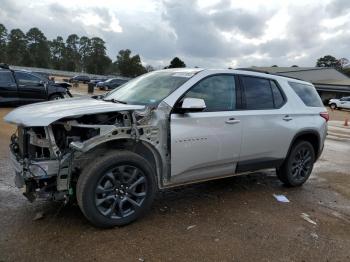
(55, 93)
(311, 136)
(141, 147)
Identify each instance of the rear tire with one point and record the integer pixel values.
(298, 166)
(116, 189)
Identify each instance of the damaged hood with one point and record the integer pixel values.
(43, 114)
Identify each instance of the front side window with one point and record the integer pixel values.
(6, 77)
(307, 94)
(218, 93)
(258, 93)
(26, 79)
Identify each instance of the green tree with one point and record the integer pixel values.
(84, 52)
(57, 49)
(38, 48)
(328, 61)
(176, 63)
(97, 60)
(346, 71)
(129, 66)
(274, 66)
(71, 56)
(17, 48)
(149, 68)
(343, 61)
(3, 43)
(294, 66)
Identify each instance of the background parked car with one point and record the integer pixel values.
(79, 78)
(97, 80)
(111, 83)
(343, 102)
(19, 86)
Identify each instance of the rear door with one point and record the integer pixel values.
(31, 88)
(267, 123)
(8, 87)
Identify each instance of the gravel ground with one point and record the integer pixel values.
(234, 219)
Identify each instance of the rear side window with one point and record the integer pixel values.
(6, 77)
(307, 94)
(277, 95)
(258, 93)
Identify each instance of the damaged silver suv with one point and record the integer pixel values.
(164, 129)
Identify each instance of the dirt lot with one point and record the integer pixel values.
(235, 219)
(339, 114)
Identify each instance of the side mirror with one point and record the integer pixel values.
(192, 105)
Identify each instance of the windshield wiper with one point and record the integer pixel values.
(113, 100)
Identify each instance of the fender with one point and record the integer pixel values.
(159, 163)
(57, 89)
(304, 132)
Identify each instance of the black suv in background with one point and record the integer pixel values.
(80, 78)
(23, 87)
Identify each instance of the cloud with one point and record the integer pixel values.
(221, 34)
(248, 23)
(338, 7)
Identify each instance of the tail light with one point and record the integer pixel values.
(325, 115)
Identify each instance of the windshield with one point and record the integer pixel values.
(110, 80)
(149, 89)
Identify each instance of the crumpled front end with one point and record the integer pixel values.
(48, 160)
(37, 161)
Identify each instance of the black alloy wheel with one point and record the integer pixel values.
(298, 165)
(116, 188)
(120, 191)
(301, 164)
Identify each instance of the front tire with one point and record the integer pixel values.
(116, 189)
(333, 106)
(298, 166)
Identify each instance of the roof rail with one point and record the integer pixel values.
(266, 72)
(253, 70)
(4, 66)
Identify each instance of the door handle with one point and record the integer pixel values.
(232, 120)
(287, 118)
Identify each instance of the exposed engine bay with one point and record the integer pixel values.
(49, 159)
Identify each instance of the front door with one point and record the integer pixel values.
(206, 144)
(30, 87)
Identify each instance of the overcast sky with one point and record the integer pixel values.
(205, 33)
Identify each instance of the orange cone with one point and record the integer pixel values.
(346, 122)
